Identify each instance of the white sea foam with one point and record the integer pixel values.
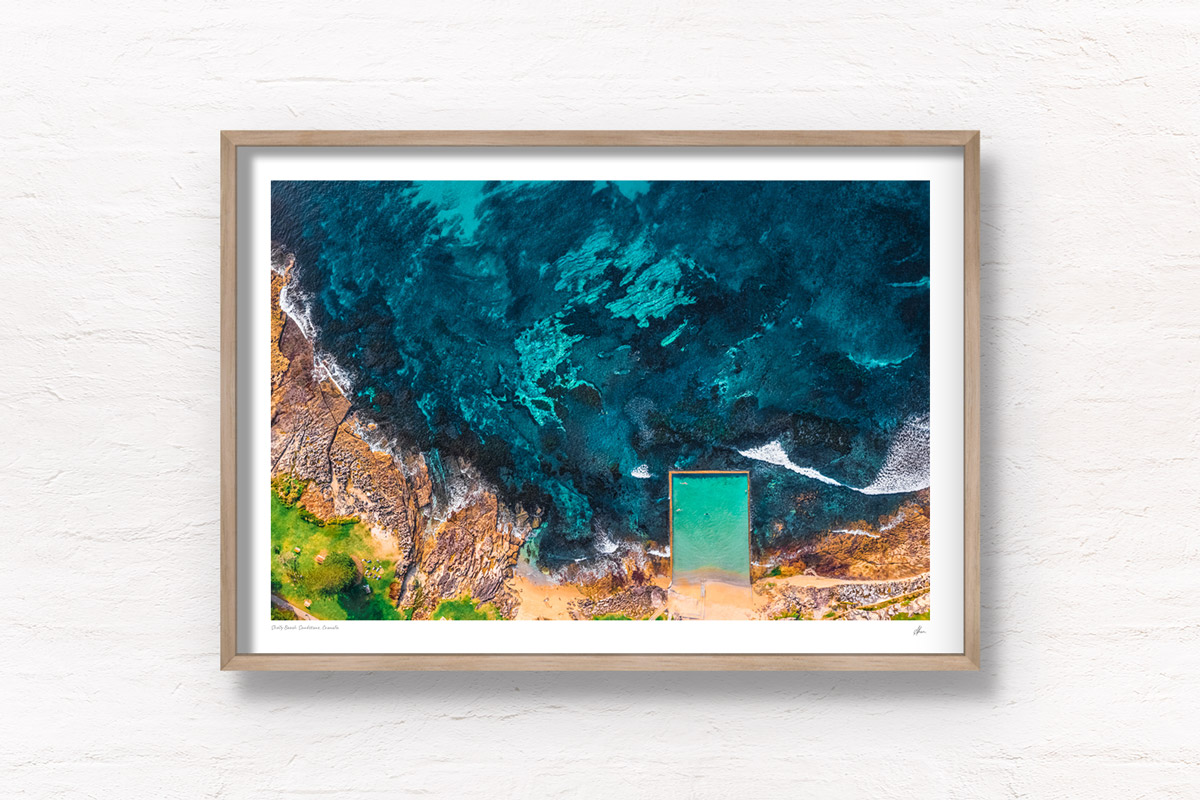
(905, 468)
(298, 307)
(663, 553)
(772, 453)
(642, 471)
(338, 376)
(462, 487)
(857, 532)
(604, 543)
(375, 441)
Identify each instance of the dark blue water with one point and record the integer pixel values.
(566, 336)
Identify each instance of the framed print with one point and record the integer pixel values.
(600, 400)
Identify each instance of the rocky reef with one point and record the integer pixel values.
(895, 546)
(823, 599)
(470, 554)
(639, 602)
(863, 571)
(463, 544)
(315, 437)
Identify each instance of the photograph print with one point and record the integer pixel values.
(668, 401)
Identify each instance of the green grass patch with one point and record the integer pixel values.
(288, 488)
(291, 528)
(797, 614)
(613, 616)
(465, 608)
(891, 601)
(906, 616)
(414, 600)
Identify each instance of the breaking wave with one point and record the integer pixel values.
(604, 543)
(298, 307)
(773, 453)
(905, 468)
(857, 532)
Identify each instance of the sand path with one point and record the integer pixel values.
(276, 600)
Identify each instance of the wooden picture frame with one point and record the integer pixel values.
(231, 141)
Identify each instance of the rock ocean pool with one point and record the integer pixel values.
(710, 526)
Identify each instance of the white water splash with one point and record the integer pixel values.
(642, 471)
(604, 543)
(857, 532)
(337, 376)
(298, 308)
(293, 303)
(375, 441)
(905, 468)
(772, 453)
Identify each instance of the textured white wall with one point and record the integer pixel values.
(108, 404)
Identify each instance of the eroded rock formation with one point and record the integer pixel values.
(316, 437)
(469, 555)
(637, 602)
(897, 547)
(780, 598)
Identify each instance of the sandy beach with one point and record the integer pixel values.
(709, 598)
(542, 598)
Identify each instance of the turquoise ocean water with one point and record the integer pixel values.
(571, 342)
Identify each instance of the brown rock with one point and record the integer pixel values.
(897, 548)
(638, 602)
(468, 556)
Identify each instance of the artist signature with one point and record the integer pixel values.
(917, 631)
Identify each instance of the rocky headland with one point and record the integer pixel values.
(861, 571)
(466, 546)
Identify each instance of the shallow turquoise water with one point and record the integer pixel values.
(711, 523)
